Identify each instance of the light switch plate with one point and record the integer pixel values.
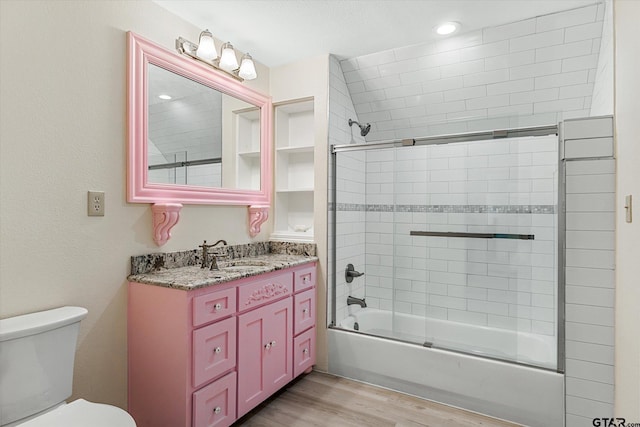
(628, 208)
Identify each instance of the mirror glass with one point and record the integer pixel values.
(199, 136)
(210, 143)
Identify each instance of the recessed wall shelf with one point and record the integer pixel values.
(294, 177)
(247, 137)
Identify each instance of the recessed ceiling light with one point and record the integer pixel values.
(447, 28)
(164, 96)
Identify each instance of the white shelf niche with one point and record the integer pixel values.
(294, 171)
(294, 216)
(295, 125)
(247, 129)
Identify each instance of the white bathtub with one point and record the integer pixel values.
(522, 394)
(531, 349)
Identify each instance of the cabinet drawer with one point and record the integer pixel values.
(213, 306)
(305, 278)
(215, 404)
(304, 310)
(214, 350)
(263, 291)
(304, 351)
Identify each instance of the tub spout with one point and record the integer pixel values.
(353, 300)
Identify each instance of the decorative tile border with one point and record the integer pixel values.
(508, 209)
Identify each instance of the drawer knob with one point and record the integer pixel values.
(217, 307)
(304, 310)
(273, 343)
(217, 410)
(217, 350)
(267, 346)
(305, 351)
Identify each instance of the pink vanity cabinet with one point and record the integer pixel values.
(205, 357)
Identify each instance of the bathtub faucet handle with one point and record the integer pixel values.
(350, 273)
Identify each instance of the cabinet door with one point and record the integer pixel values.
(304, 306)
(264, 352)
(304, 351)
(214, 350)
(215, 404)
(279, 337)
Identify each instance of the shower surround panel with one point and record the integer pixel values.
(533, 72)
(507, 186)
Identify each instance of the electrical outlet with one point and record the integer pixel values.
(95, 203)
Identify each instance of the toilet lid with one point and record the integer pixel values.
(81, 413)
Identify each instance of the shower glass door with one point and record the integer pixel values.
(458, 242)
(487, 225)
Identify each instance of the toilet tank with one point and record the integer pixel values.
(37, 352)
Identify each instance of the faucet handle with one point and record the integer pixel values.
(220, 251)
(350, 272)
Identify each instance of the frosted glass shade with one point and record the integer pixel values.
(206, 47)
(247, 68)
(228, 60)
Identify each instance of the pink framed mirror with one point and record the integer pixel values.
(195, 136)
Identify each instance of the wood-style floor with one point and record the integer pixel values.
(323, 400)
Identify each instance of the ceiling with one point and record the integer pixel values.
(278, 32)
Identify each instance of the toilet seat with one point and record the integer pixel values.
(81, 413)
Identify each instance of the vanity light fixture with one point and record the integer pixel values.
(247, 68)
(447, 28)
(205, 51)
(206, 46)
(228, 60)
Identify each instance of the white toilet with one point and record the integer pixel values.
(37, 353)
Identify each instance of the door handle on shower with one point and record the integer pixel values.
(350, 273)
(473, 235)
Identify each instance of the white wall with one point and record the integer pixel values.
(627, 112)
(64, 132)
(533, 72)
(304, 79)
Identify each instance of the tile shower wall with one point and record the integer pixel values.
(175, 139)
(602, 101)
(537, 71)
(505, 186)
(350, 191)
(590, 218)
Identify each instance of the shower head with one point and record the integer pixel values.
(364, 129)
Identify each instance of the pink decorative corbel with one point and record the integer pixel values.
(257, 215)
(165, 216)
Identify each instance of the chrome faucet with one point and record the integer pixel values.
(214, 256)
(353, 300)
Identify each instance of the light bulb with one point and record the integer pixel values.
(247, 68)
(228, 60)
(206, 47)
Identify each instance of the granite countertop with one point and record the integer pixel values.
(190, 277)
